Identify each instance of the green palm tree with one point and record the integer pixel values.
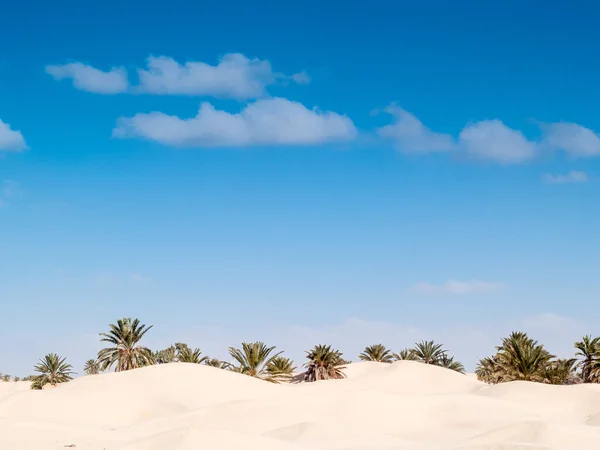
(522, 358)
(588, 349)
(91, 367)
(488, 370)
(280, 370)
(165, 356)
(376, 353)
(561, 371)
(214, 362)
(405, 354)
(428, 352)
(518, 358)
(451, 363)
(253, 358)
(186, 354)
(125, 352)
(324, 363)
(52, 370)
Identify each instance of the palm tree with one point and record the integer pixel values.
(165, 356)
(187, 355)
(253, 358)
(518, 358)
(280, 370)
(522, 358)
(214, 362)
(588, 350)
(405, 354)
(428, 352)
(16, 378)
(91, 367)
(376, 353)
(451, 363)
(488, 370)
(5, 377)
(52, 370)
(126, 352)
(324, 363)
(561, 371)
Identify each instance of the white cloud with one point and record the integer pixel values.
(572, 138)
(235, 76)
(491, 139)
(274, 121)
(571, 177)
(458, 287)
(411, 136)
(90, 79)
(485, 140)
(11, 140)
(301, 78)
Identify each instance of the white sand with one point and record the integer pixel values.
(405, 405)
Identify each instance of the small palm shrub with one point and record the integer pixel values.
(52, 370)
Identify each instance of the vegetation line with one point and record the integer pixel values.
(518, 358)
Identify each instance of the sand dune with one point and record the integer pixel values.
(405, 405)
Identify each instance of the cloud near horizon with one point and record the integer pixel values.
(235, 76)
(490, 140)
(458, 287)
(11, 140)
(274, 121)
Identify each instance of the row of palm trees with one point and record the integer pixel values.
(520, 358)
(517, 358)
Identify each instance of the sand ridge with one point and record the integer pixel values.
(404, 405)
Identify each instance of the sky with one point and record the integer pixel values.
(309, 173)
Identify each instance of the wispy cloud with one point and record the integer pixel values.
(234, 76)
(90, 79)
(459, 287)
(571, 177)
(11, 140)
(264, 122)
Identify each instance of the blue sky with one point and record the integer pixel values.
(349, 174)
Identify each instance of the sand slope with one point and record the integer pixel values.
(405, 405)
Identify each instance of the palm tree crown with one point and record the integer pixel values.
(428, 352)
(376, 353)
(126, 352)
(52, 370)
(280, 369)
(324, 363)
(518, 358)
(588, 350)
(253, 358)
(186, 354)
(91, 367)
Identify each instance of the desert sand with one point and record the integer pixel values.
(405, 405)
